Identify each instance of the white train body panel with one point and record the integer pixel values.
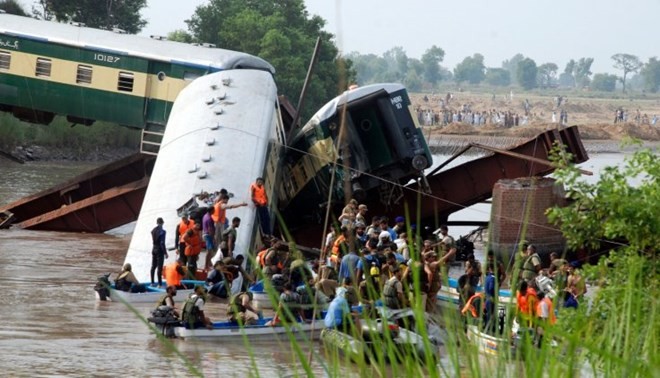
(248, 137)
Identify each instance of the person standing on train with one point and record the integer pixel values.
(260, 200)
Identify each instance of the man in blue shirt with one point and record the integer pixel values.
(348, 266)
(339, 313)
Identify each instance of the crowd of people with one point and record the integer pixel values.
(361, 262)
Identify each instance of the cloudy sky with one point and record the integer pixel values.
(545, 30)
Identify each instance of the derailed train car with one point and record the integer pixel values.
(380, 147)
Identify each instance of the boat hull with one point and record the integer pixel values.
(490, 345)
(260, 331)
(152, 295)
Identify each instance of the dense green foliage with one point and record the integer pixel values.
(284, 34)
(604, 82)
(498, 77)
(12, 7)
(547, 73)
(471, 69)
(60, 134)
(619, 333)
(627, 63)
(108, 14)
(527, 73)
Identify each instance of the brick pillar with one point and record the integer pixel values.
(518, 213)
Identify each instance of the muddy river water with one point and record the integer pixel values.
(51, 325)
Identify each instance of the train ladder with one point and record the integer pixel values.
(152, 136)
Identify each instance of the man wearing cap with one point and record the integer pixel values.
(531, 265)
(400, 226)
(158, 252)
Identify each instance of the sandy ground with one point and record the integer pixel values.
(594, 117)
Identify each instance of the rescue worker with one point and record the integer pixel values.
(193, 240)
(339, 248)
(238, 308)
(193, 310)
(168, 299)
(158, 252)
(526, 301)
(126, 281)
(531, 264)
(184, 225)
(260, 201)
(393, 295)
(174, 272)
(229, 238)
(220, 280)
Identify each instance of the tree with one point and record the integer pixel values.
(283, 33)
(582, 71)
(471, 69)
(431, 62)
(12, 7)
(620, 210)
(511, 65)
(527, 72)
(566, 78)
(397, 62)
(604, 82)
(180, 36)
(651, 74)
(498, 76)
(547, 73)
(627, 63)
(109, 14)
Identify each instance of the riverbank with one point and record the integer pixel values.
(94, 154)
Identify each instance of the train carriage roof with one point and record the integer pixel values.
(129, 45)
(330, 108)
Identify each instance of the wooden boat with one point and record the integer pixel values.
(152, 295)
(258, 331)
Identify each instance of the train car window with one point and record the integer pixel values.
(43, 67)
(84, 74)
(125, 83)
(5, 60)
(190, 76)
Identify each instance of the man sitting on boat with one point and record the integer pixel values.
(239, 305)
(339, 314)
(174, 272)
(220, 280)
(193, 310)
(126, 281)
(168, 300)
(289, 309)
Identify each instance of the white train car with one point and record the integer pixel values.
(224, 131)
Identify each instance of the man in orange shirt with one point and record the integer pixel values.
(260, 200)
(181, 229)
(193, 240)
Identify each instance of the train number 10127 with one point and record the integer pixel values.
(106, 58)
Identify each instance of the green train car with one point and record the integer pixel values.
(85, 74)
(381, 148)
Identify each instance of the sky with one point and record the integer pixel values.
(544, 30)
